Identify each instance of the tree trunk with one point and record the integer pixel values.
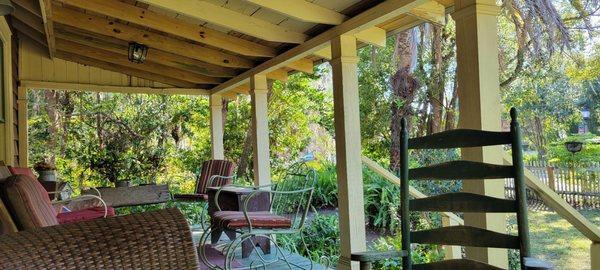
(404, 85)
(51, 98)
(435, 91)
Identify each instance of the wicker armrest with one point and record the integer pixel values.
(151, 240)
(537, 264)
(374, 256)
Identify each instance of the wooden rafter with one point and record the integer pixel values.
(29, 19)
(29, 5)
(303, 11)
(148, 18)
(121, 31)
(46, 9)
(381, 13)
(84, 60)
(233, 20)
(154, 55)
(121, 60)
(113, 88)
(432, 11)
(29, 32)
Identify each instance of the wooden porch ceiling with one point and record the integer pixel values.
(208, 44)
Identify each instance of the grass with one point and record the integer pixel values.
(556, 240)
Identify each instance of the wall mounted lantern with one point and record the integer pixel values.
(137, 52)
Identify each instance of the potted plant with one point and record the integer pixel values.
(46, 171)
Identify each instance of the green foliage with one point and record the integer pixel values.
(420, 254)
(322, 238)
(589, 155)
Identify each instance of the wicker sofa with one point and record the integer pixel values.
(151, 240)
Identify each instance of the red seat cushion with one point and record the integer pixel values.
(191, 197)
(265, 220)
(22, 170)
(83, 215)
(28, 202)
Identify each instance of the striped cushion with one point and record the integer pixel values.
(214, 167)
(236, 219)
(28, 202)
(22, 170)
(6, 223)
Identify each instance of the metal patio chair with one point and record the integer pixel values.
(290, 201)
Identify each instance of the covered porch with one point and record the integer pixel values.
(221, 49)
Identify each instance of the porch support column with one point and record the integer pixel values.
(347, 148)
(595, 255)
(479, 96)
(216, 127)
(23, 127)
(260, 130)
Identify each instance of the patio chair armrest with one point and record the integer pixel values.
(536, 264)
(85, 197)
(375, 256)
(212, 179)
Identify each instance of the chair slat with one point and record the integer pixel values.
(465, 236)
(461, 170)
(455, 264)
(463, 202)
(459, 138)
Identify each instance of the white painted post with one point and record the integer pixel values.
(595, 255)
(260, 124)
(216, 127)
(479, 95)
(451, 252)
(348, 150)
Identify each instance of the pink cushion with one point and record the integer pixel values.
(237, 219)
(28, 202)
(214, 167)
(22, 170)
(83, 215)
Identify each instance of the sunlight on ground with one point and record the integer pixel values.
(554, 239)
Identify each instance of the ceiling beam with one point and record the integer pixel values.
(29, 19)
(230, 19)
(432, 11)
(46, 9)
(121, 60)
(121, 31)
(124, 70)
(29, 32)
(374, 36)
(303, 11)
(147, 18)
(381, 13)
(29, 5)
(156, 56)
(113, 88)
(304, 65)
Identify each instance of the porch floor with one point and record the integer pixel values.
(297, 261)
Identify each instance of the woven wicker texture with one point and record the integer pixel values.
(151, 240)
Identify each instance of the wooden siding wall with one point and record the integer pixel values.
(15, 95)
(36, 66)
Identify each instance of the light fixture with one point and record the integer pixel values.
(6, 7)
(137, 52)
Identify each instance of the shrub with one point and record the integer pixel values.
(420, 254)
(322, 238)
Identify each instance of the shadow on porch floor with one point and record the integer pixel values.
(296, 261)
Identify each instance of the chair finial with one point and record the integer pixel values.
(403, 123)
(513, 114)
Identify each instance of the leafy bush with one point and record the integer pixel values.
(590, 153)
(322, 238)
(326, 190)
(420, 253)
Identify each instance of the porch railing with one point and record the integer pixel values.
(548, 196)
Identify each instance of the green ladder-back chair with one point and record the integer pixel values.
(461, 201)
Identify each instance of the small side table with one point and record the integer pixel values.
(232, 199)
